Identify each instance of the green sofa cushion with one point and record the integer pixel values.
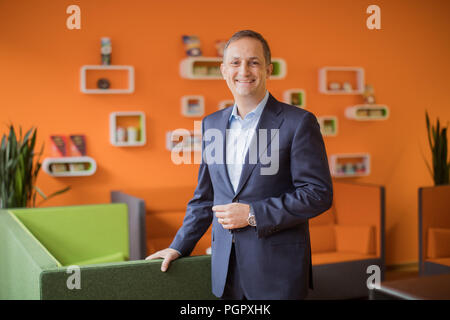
(115, 257)
(79, 233)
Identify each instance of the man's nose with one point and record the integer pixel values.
(244, 69)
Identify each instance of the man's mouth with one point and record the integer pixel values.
(244, 81)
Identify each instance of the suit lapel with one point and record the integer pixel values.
(270, 119)
(223, 129)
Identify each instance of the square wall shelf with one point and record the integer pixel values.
(341, 80)
(295, 97)
(350, 165)
(69, 166)
(328, 125)
(88, 84)
(367, 112)
(208, 68)
(183, 140)
(127, 129)
(192, 106)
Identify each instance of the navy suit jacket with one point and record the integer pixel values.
(274, 258)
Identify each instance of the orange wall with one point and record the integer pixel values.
(407, 62)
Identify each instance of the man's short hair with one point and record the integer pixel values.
(255, 35)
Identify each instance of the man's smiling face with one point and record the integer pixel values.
(245, 69)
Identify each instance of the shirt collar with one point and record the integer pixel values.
(257, 111)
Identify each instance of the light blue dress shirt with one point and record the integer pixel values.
(239, 135)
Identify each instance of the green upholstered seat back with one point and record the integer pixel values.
(22, 260)
(80, 233)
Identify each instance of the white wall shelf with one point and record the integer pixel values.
(325, 80)
(350, 165)
(208, 68)
(192, 106)
(69, 166)
(122, 134)
(86, 68)
(183, 140)
(295, 97)
(328, 125)
(367, 112)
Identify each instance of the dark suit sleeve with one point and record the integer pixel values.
(199, 213)
(311, 179)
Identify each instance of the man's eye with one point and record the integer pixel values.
(254, 63)
(235, 63)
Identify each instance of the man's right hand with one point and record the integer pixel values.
(167, 254)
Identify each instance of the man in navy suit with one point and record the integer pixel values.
(259, 209)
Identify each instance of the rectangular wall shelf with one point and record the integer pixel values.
(295, 97)
(69, 166)
(341, 74)
(367, 112)
(86, 68)
(208, 68)
(123, 119)
(328, 125)
(350, 165)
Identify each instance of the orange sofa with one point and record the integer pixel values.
(434, 230)
(345, 240)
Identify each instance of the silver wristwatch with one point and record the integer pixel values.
(251, 218)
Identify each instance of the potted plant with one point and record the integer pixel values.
(19, 168)
(437, 138)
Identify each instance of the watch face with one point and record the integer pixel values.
(252, 221)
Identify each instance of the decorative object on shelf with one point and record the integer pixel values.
(127, 128)
(106, 68)
(19, 169)
(341, 80)
(225, 104)
(368, 94)
(208, 68)
(132, 134)
(183, 140)
(58, 145)
(334, 86)
(69, 166)
(347, 87)
(103, 83)
(367, 112)
(77, 145)
(350, 165)
(437, 139)
(192, 45)
(220, 47)
(192, 106)
(295, 97)
(106, 50)
(328, 125)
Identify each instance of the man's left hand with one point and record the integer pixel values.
(233, 215)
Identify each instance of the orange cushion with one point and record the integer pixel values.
(438, 243)
(335, 257)
(326, 218)
(356, 239)
(322, 238)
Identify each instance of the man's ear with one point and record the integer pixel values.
(269, 70)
